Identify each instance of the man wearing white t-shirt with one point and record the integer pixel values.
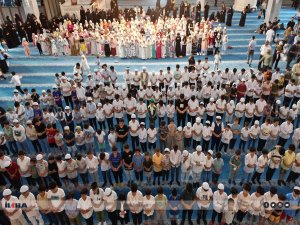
(56, 198)
(85, 207)
(24, 167)
(204, 196)
(110, 199)
(134, 127)
(97, 198)
(14, 214)
(31, 209)
(135, 204)
(198, 161)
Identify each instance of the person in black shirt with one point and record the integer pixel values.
(206, 11)
(187, 199)
(292, 53)
(291, 24)
(69, 138)
(2, 116)
(128, 164)
(40, 128)
(53, 170)
(181, 108)
(122, 131)
(178, 45)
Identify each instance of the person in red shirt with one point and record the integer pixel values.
(50, 131)
(12, 169)
(241, 89)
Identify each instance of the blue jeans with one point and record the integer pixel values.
(12, 146)
(44, 144)
(206, 175)
(175, 170)
(23, 146)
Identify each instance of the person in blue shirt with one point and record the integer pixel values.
(174, 204)
(294, 199)
(138, 160)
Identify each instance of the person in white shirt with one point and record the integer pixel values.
(97, 199)
(262, 163)
(227, 135)
(142, 135)
(229, 110)
(286, 129)
(14, 214)
(118, 106)
(269, 199)
(135, 204)
(220, 200)
(148, 206)
(240, 109)
(105, 168)
(243, 203)
(129, 105)
(193, 105)
(85, 207)
(16, 80)
(256, 205)
(19, 135)
(275, 129)
(204, 196)
(24, 168)
(198, 161)
(141, 110)
(92, 166)
(110, 198)
(264, 134)
(270, 34)
(197, 132)
(250, 164)
(210, 110)
(175, 160)
(263, 50)
(251, 48)
(134, 127)
(31, 209)
(296, 138)
(56, 198)
(259, 108)
(186, 165)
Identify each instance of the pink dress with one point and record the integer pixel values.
(158, 49)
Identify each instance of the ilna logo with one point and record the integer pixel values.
(15, 205)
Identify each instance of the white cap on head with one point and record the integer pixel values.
(15, 121)
(43, 91)
(199, 148)
(278, 102)
(211, 99)
(295, 188)
(198, 120)
(66, 128)
(6, 192)
(221, 186)
(210, 152)
(231, 102)
(142, 124)
(39, 157)
(243, 80)
(24, 188)
(185, 153)
(205, 185)
(256, 122)
(294, 106)
(242, 100)
(67, 107)
(68, 156)
(167, 150)
(189, 124)
(218, 117)
(207, 122)
(133, 116)
(89, 99)
(107, 191)
(179, 128)
(35, 104)
(16, 91)
(99, 104)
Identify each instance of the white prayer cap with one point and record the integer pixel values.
(107, 191)
(39, 157)
(24, 188)
(67, 156)
(221, 186)
(199, 148)
(205, 185)
(185, 153)
(7, 192)
(198, 120)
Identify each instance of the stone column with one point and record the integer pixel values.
(273, 10)
(31, 6)
(239, 5)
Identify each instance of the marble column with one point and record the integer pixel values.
(239, 5)
(31, 6)
(273, 10)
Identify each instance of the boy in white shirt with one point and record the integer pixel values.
(220, 200)
(85, 207)
(142, 134)
(250, 164)
(204, 196)
(262, 163)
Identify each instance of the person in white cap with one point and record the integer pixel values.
(198, 162)
(65, 88)
(72, 169)
(286, 129)
(210, 110)
(135, 204)
(128, 77)
(56, 198)
(240, 109)
(130, 105)
(220, 106)
(187, 132)
(293, 198)
(13, 213)
(260, 105)
(186, 166)
(249, 111)
(110, 199)
(227, 136)
(134, 127)
(204, 196)
(296, 138)
(42, 170)
(19, 134)
(220, 201)
(193, 105)
(254, 134)
(20, 112)
(31, 210)
(264, 134)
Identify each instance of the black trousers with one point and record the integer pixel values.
(137, 218)
(118, 175)
(190, 213)
(282, 141)
(256, 176)
(63, 218)
(181, 119)
(201, 215)
(113, 217)
(68, 101)
(20, 89)
(89, 221)
(292, 177)
(37, 146)
(205, 145)
(261, 144)
(216, 214)
(93, 122)
(269, 174)
(240, 216)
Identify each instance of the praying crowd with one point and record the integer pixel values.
(180, 126)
